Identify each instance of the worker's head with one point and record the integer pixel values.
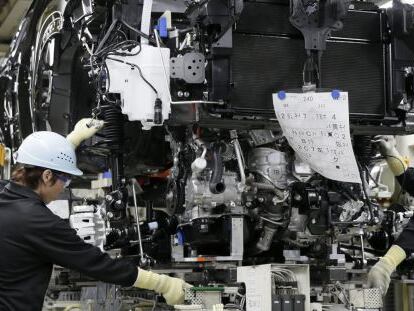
(47, 160)
(46, 182)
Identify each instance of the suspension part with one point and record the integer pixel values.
(114, 135)
(363, 148)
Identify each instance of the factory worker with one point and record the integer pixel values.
(380, 274)
(32, 238)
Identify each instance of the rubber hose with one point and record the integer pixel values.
(216, 184)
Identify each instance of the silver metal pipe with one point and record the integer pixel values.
(141, 250)
(187, 102)
(238, 150)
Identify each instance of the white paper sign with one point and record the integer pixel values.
(316, 126)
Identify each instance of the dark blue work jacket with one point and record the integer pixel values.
(32, 239)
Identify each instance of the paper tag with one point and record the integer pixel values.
(316, 126)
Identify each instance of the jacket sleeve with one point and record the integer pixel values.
(406, 238)
(55, 241)
(406, 180)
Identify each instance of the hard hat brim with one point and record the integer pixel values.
(76, 172)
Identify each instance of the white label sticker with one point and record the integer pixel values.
(316, 126)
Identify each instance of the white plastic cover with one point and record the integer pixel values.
(138, 98)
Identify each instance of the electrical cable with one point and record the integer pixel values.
(111, 49)
(370, 176)
(144, 35)
(140, 73)
(365, 191)
(106, 36)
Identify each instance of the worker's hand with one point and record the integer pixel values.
(396, 162)
(380, 276)
(171, 288)
(84, 129)
(386, 144)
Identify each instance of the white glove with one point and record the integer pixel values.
(380, 274)
(84, 129)
(386, 144)
(172, 289)
(394, 159)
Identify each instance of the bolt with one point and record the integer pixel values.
(180, 94)
(186, 94)
(118, 205)
(260, 199)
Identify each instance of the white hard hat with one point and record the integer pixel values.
(48, 150)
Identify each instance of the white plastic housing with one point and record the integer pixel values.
(137, 96)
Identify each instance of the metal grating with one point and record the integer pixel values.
(204, 298)
(274, 20)
(263, 65)
(370, 298)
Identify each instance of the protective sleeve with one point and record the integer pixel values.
(55, 241)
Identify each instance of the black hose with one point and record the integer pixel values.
(216, 183)
(367, 199)
(363, 148)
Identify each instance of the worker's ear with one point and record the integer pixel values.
(47, 177)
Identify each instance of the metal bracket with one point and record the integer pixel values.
(316, 19)
(190, 67)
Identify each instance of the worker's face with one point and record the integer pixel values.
(51, 187)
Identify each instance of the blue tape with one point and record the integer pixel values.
(162, 27)
(180, 237)
(335, 94)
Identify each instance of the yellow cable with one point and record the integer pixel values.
(2, 155)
